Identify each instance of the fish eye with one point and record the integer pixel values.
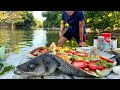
(31, 66)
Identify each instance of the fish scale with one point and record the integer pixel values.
(69, 69)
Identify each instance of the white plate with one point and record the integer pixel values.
(84, 49)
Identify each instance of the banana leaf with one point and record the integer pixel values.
(3, 54)
(4, 67)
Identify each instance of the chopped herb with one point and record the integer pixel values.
(106, 64)
(98, 63)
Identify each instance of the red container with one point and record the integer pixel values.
(107, 37)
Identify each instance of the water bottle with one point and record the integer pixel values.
(100, 44)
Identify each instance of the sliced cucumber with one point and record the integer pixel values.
(99, 73)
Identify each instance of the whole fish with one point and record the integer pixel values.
(47, 64)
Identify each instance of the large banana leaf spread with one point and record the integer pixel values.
(92, 64)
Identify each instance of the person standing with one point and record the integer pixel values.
(76, 29)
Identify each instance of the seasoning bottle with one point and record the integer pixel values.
(113, 42)
(107, 41)
(95, 41)
(100, 44)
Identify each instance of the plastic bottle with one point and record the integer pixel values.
(107, 41)
(100, 44)
(95, 41)
(113, 42)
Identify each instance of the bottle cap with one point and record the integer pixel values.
(113, 37)
(95, 37)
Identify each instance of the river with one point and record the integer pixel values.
(18, 40)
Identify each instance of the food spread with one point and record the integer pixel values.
(89, 63)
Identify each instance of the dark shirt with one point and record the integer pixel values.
(73, 20)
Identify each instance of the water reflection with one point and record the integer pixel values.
(52, 36)
(19, 40)
(39, 38)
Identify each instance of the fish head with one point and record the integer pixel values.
(34, 67)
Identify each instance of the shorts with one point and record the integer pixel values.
(68, 34)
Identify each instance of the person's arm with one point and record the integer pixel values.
(81, 33)
(81, 30)
(62, 27)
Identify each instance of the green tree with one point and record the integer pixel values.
(37, 23)
(26, 20)
(94, 19)
(102, 19)
(16, 18)
(53, 19)
(3, 17)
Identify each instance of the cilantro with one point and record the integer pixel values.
(106, 64)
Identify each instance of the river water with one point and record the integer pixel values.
(20, 39)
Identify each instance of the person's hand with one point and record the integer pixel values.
(82, 44)
(61, 34)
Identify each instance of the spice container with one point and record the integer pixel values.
(95, 41)
(107, 41)
(113, 42)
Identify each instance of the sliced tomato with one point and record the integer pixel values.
(76, 53)
(79, 64)
(42, 51)
(93, 65)
(69, 51)
(101, 66)
(82, 54)
(104, 58)
(35, 54)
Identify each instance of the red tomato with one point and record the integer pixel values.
(69, 51)
(101, 66)
(104, 58)
(79, 64)
(35, 54)
(42, 51)
(76, 53)
(83, 54)
(93, 66)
